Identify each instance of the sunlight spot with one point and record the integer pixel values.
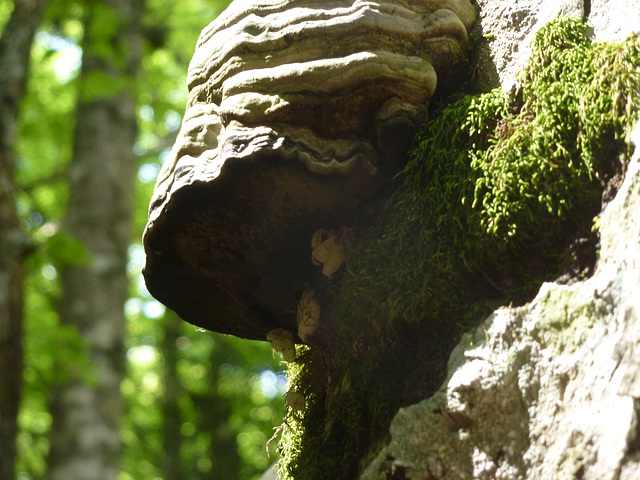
(153, 309)
(151, 382)
(268, 384)
(49, 272)
(141, 287)
(139, 148)
(281, 382)
(164, 154)
(146, 113)
(142, 355)
(148, 172)
(68, 58)
(172, 120)
(136, 259)
(177, 96)
(68, 63)
(45, 231)
(133, 307)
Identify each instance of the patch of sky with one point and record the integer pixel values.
(164, 155)
(139, 148)
(273, 383)
(141, 287)
(172, 120)
(146, 113)
(153, 309)
(136, 259)
(142, 355)
(148, 172)
(68, 57)
(133, 307)
(49, 272)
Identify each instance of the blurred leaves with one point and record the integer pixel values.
(225, 393)
(63, 249)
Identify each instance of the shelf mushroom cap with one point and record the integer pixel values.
(299, 113)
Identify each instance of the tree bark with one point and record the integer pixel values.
(15, 46)
(85, 436)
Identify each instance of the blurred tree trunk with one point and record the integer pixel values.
(85, 435)
(15, 46)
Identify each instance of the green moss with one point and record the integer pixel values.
(497, 188)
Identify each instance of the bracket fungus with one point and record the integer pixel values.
(299, 113)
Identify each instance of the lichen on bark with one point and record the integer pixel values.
(500, 195)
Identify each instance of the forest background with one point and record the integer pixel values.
(97, 379)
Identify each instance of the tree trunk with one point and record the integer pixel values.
(85, 436)
(15, 46)
(549, 389)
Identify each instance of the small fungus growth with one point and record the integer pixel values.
(282, 342)
(331, 249)
(308, 315)
(295, 401)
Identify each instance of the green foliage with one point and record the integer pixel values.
(5, 12)
(223, 383)
(62, 249)
(54, 353)
(497, 188)
(46, 124)
(97, 85)
(222, 413)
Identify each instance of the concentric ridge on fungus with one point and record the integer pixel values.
(299, 111)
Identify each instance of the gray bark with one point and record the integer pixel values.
(85, 437)
(549, 390)
(15, 46)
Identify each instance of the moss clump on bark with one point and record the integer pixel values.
(498, 190)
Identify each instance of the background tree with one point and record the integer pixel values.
(85, 436)
(15, 45)
(243, 378)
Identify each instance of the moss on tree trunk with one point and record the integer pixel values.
(500, 195)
